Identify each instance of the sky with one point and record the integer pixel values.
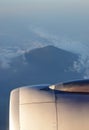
(28, 24)
(44, 6)
(65, 18)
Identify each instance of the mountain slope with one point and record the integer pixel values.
(45, 65)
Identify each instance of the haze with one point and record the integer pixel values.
(68, 19)
(28, 24)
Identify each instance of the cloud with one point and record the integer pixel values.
(40, 38)
(76, 47)
(8, 53)
(61, 42)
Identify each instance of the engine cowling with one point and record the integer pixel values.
(48, 108)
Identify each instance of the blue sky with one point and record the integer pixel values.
(26, 23)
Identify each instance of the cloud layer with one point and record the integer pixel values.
(82, 49)
(43, 38)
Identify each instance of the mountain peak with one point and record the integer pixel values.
(50, 49)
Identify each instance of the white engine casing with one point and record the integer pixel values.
(40, 109)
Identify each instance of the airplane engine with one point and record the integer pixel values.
(49, 108)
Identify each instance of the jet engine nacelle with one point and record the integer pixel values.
(48, 108)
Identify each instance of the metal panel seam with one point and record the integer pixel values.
(19, 108)
(56, 111)
(36, 103)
